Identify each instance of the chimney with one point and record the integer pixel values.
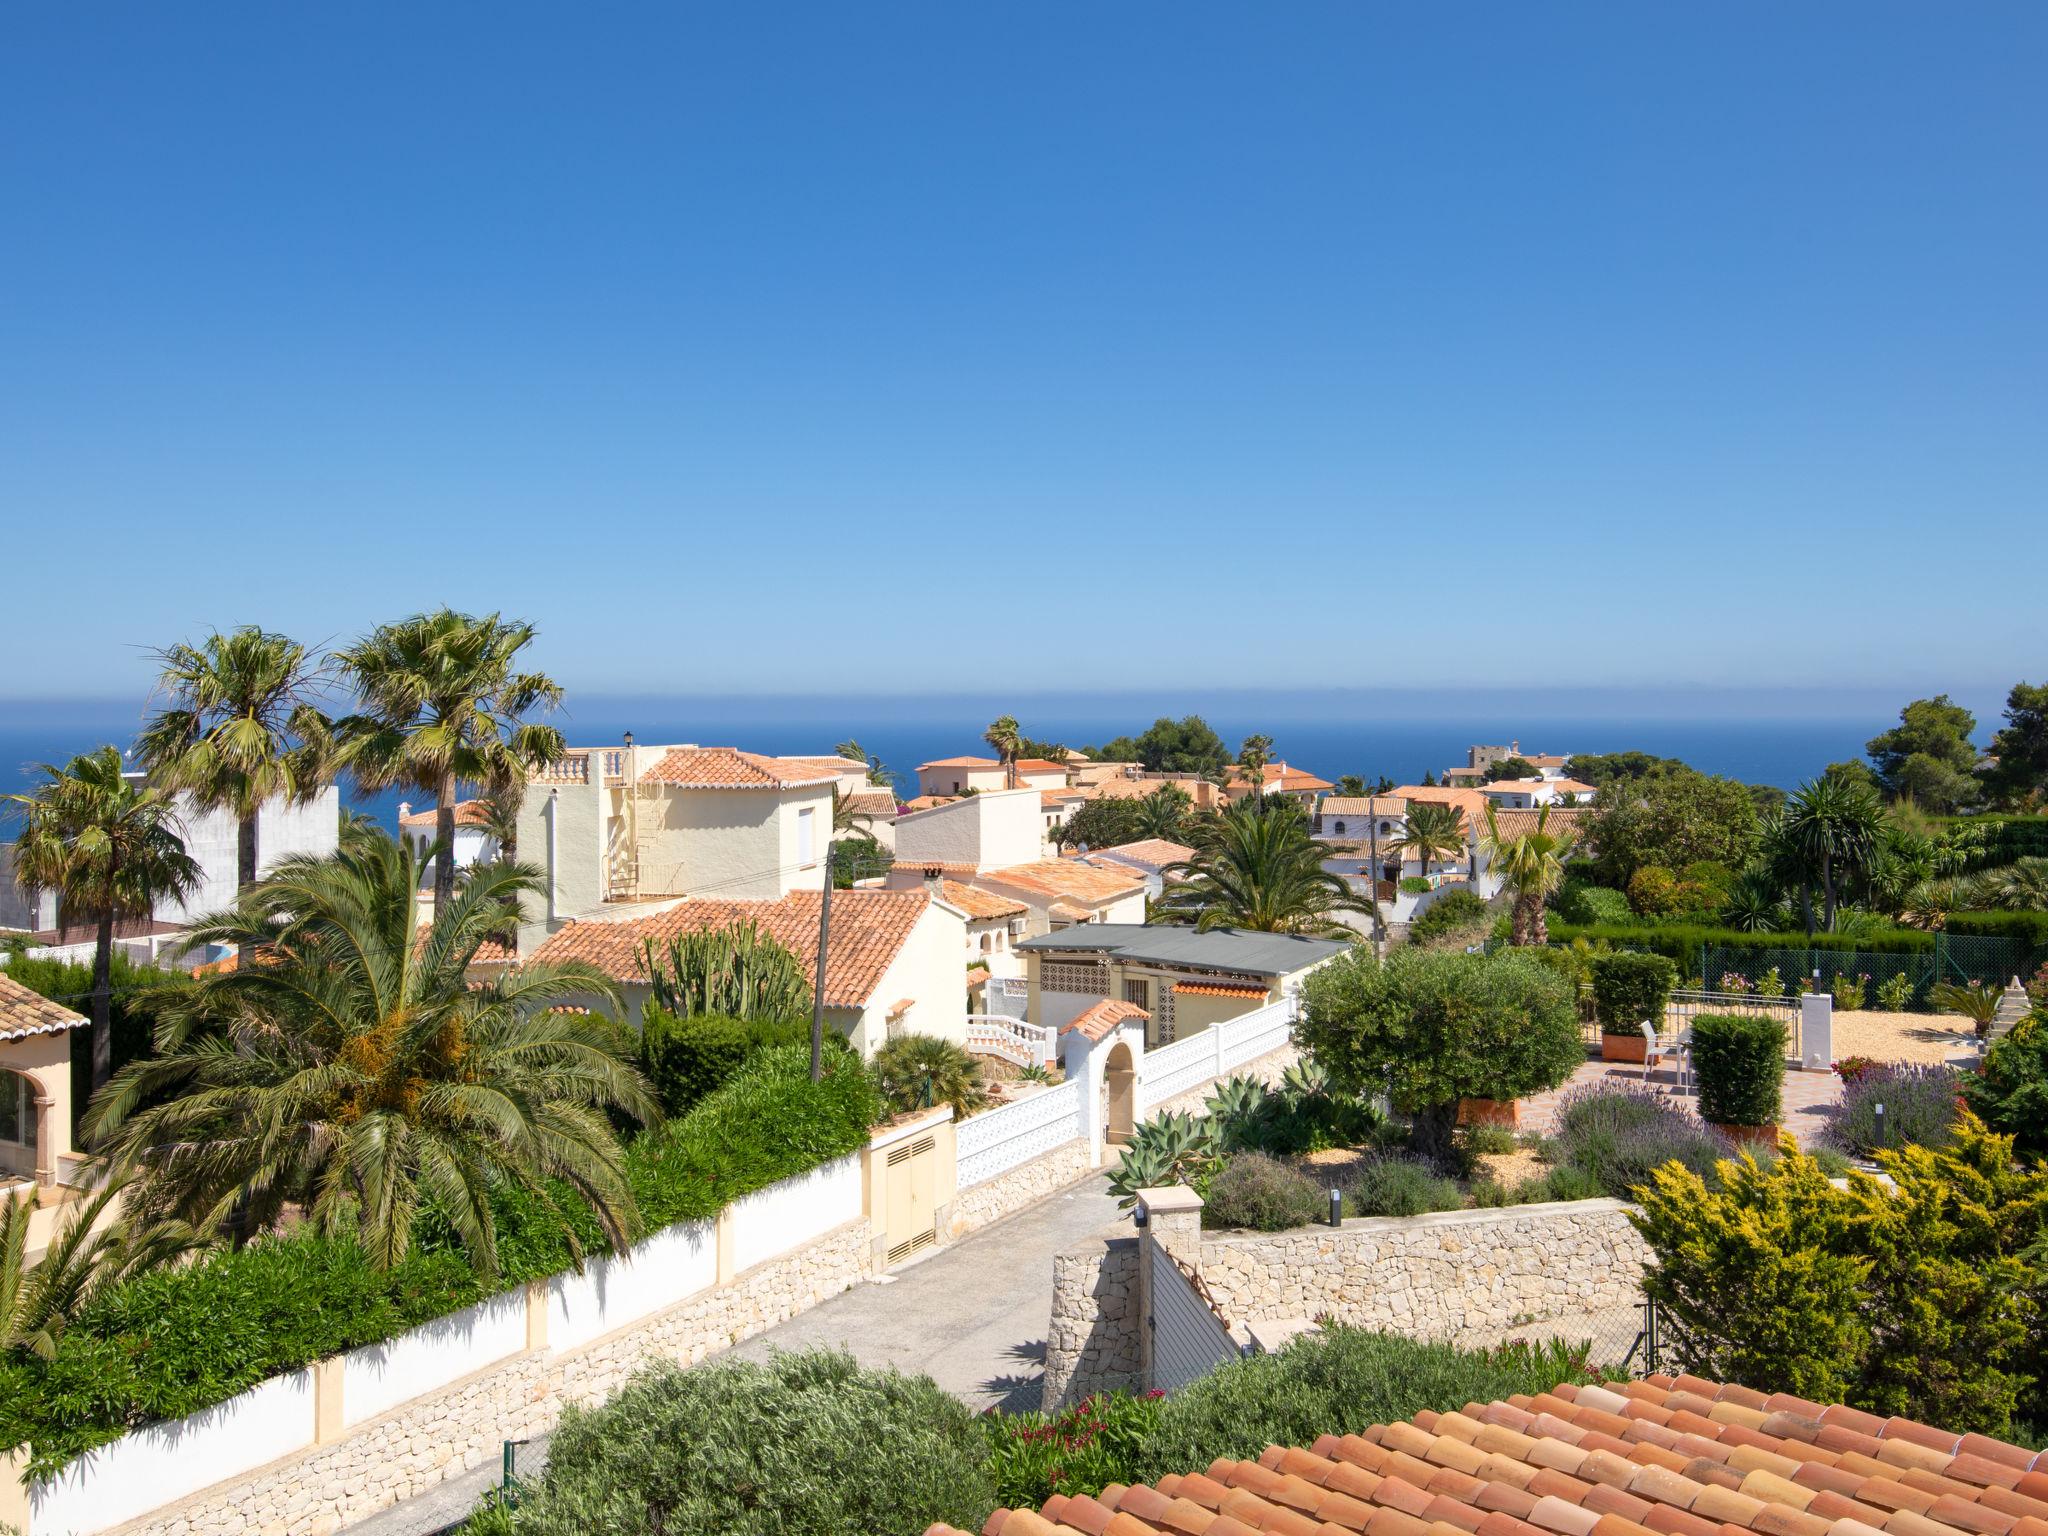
(933, 878)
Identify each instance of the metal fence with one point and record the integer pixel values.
(1687, 1004)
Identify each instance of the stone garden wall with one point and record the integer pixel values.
(1092, 1344)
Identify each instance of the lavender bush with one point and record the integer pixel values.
(1617, 1135)
(1921, 1105)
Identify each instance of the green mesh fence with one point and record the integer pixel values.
(1992, 960)
(1857, 978)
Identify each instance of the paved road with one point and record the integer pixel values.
(972, 1316)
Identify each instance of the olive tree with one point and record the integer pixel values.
(1432, 1027)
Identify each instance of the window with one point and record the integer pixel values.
(806, 838)
(1386, 827)
(17, 1109)
(1340, 829)
(1140, 993)
(988, 944)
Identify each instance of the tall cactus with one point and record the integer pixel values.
(738, 972)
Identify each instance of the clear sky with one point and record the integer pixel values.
(913, 347)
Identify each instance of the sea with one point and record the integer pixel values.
(1762, 739)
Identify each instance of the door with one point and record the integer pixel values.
(909, 1199)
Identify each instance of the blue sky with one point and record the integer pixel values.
(910, 348)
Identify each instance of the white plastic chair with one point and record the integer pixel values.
(1654, 1050)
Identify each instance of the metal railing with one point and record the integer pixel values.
(1687, 1004)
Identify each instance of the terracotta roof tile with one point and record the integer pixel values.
(1064, 878)
(961, 762)
(729, 768)
(1588, 1461)
(979, 904)
(1152, 852)
(1105, 1016)
(869, 929)
(24, 1012)
(872, 803)
(468, 813)
(1210, 989)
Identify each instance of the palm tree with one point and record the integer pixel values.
(109, 847)
(1007, 738)
(1255, 866)
(2019, 887)
(350, 1066)
(442, 706)
(1531, 864)
(1433, 830)
(241, 728)
(1252, 757)
(1164, 813)
(501, 819)
(1832, 826)
(86, 1257)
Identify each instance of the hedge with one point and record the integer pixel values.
(178, 1340)
(1630, 987)
(2030, 927)
(1683, 942)
(1739, 1060)
(688, 1058)
(139, 992)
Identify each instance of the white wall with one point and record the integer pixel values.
(930, 969)
(675, 1262)
(282, 830)
(159, 1465)
(987, 831)
(381, 1376)
(772, 1221)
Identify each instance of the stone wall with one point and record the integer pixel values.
(440, 1436)
(1092, 1344)
(1026, 1184)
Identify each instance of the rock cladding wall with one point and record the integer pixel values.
(1092, 1343)
(1026, 1184)
(433, 1438)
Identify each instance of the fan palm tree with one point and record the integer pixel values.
(1433, 830)
(1832, 826)
(241, 728)
(87, 1256)
(1531, 864)
(1252, 757)
(441, 705)
(1255, 866)
(350, 1066)
(109, 847)
(1007, 739)
(2019, 887)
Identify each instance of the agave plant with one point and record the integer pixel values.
(1173, 1149)
(1236, 1106)
(1306, 1078)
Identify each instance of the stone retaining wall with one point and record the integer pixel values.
(1026, 1184)
(1093, 1341)
(440, 1436)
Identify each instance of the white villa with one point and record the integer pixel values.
(958, 775)
(473, 841)
(992, 842)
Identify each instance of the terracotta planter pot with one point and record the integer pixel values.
(1507, 1112)
(1748, 1135)
(1622, 1047)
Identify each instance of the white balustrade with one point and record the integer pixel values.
(1013, 1040)
(1002, 1139)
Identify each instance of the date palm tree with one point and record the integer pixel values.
(240, 728)
(1531, 864)
(109, 847)
(351, 1067)
(1255, 866)
(87, 1256)
(1432, 830)
(1252, 757)
(1164, 813)
(1006, 737)
(1832, 827)
(441, 705)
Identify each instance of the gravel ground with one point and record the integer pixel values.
(1927, 1037)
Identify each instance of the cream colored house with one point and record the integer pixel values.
(958, 775)
(1059, 893)
(1279, 779)
(618, 829)
(985, 831)
(1186, 980)
(894, 966)
(36, 1154)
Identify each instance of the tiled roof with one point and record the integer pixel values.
(468, 813)
(1664, 1457)
(1562, 818)
(976, 975)
(1362, 805)
(1105, 1016)
(979, 904)
(1062, 796)
(1152, 852)
(872, 802)
(1470, 803)
(928, 802)
(1061, 877)
(1278, 776)
(920, 866)
(869, 928)
(1574, 787)
(1039, 765)
(833, 767)
(24, 1012)
(961, 762)
(1212, 989)
(729, 768)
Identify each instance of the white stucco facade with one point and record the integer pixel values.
(987, 831)
(282, 830)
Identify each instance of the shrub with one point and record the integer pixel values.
(1616, 1136)
(2029, 926)
(1487, 1140)
(1895, 993)
(1262, 1193)
(1921, 1106)
(1914, 1301)
(1033, 1456)
(1303, 1114)
(1653, 891)
(1629, 987)
(1849, 992)
(1682, 943)
(1580, 901)
(1561, 1183)
(1397, 1186)
(921, 1071)
(1169, 1149)
(2011, 1090)
(805, 1444)
(1739, 1059)
(1451, 911)
(1335, 1381)
(687, 1058)
(1415, 885)
(1850, 1068)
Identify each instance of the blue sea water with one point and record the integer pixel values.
(1362, 736)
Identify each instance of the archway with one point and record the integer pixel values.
(1120, 1095)
(20, 1098)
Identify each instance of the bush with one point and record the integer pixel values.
(1916, 1300)
(1615, 1137)
(1629, 987)
(920, 1071)
(1264, 1194)
(1415, 885)
(1653, 891)
(1580, 901)
(1562, 1183)
(1451, 911)
(1487, 1140)
(1921, 1106)
(1681, 943)
(1895, 993)
(687, 1058)
(806, 1444)
(1302, 1114)
(1397, 1186)
(2011, 1090)
(1336, 1381)
(1033, 1456)
(1849, 992)
(1739, 1059)
(2030, 926)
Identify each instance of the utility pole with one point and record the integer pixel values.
(818, 990)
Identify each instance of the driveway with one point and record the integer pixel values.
(972, 1316)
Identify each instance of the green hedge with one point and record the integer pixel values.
(2030, 927)
(1683, 942)
(139, 993)
(688, 1058)
(179, 1340)
(1630, 986)
(1739, 1059)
